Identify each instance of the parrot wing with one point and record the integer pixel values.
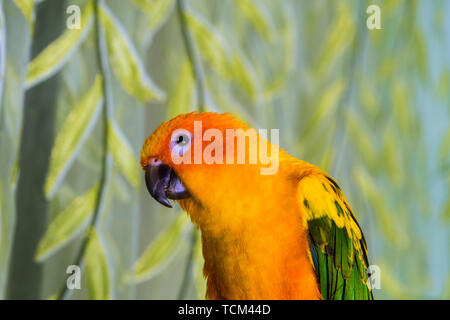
(338, 248)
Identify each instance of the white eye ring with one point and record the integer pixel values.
(180, 141)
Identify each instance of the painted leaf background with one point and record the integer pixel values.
(68, 224)
(75, 129)
(56, 54)
(97, 271)
(160, 252)
(369, 106)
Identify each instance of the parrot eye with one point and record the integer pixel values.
(181, 141)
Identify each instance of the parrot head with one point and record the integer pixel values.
(192, 157)
(168, 156)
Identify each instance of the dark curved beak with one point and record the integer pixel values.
(163, 184)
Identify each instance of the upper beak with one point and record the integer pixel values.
(163, 183)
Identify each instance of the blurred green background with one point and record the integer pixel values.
(371, 107)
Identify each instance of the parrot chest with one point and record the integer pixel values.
(258, 266)
(255, 244)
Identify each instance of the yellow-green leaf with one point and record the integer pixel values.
(444, 85)
(446, 209)
(160, 252)
(53, 297)
(329, 100)
(444, 150)
(123, 154)
(257, 16)
(27, 8)
(393, 157)
(157, 12)
(1, 209)
(385, 217)
(341, 34)
(363, 140)
(181, 98)
(74, 131)
(289, 44)
(402, 107)
(68, 224)
(327, 104)
(199, 278)
(392, 5)
(245, 76)
(97, 269)
(421, 52)
(211, 45)
(56, 54)
(327, 159)
(214, 50)
(14, 173)
(388, 67)
(392, 284)
(125, 61)
(369, 101)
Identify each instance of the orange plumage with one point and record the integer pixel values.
(255, 228)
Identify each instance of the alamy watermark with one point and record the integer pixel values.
(374, 19)
(74, 19)
(373, 277)
(74, 280)
(188, 148)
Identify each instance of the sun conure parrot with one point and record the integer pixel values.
(288, 235)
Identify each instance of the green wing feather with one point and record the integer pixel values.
(338, 248)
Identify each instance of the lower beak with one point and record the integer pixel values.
(163, 184)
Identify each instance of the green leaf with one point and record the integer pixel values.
(199, 278)
(421, 52)
(2, 61)
(52, 297)
(327, 159)
(330, 99)
(125, 61)
(259, 18)
(340, 36)
(385, 216)
(369, 100)
(446, 209)
(402, 107)
(231, 65)
(15, 171)
(157, 11)
(57, 53)
(245, 76)
(289, 44)
(74, 131)
(97, 269)
(444, 151)
(211, 45)
(1, 209)
(160, 252)
(326, 105)
(123, 154)
(68, 224)
(121, 188)
(27, 8)
(446, 289)
(358, 132)
(442, 89)
(393, 157)
(182, 98)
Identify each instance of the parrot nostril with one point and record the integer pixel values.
(155, 162)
